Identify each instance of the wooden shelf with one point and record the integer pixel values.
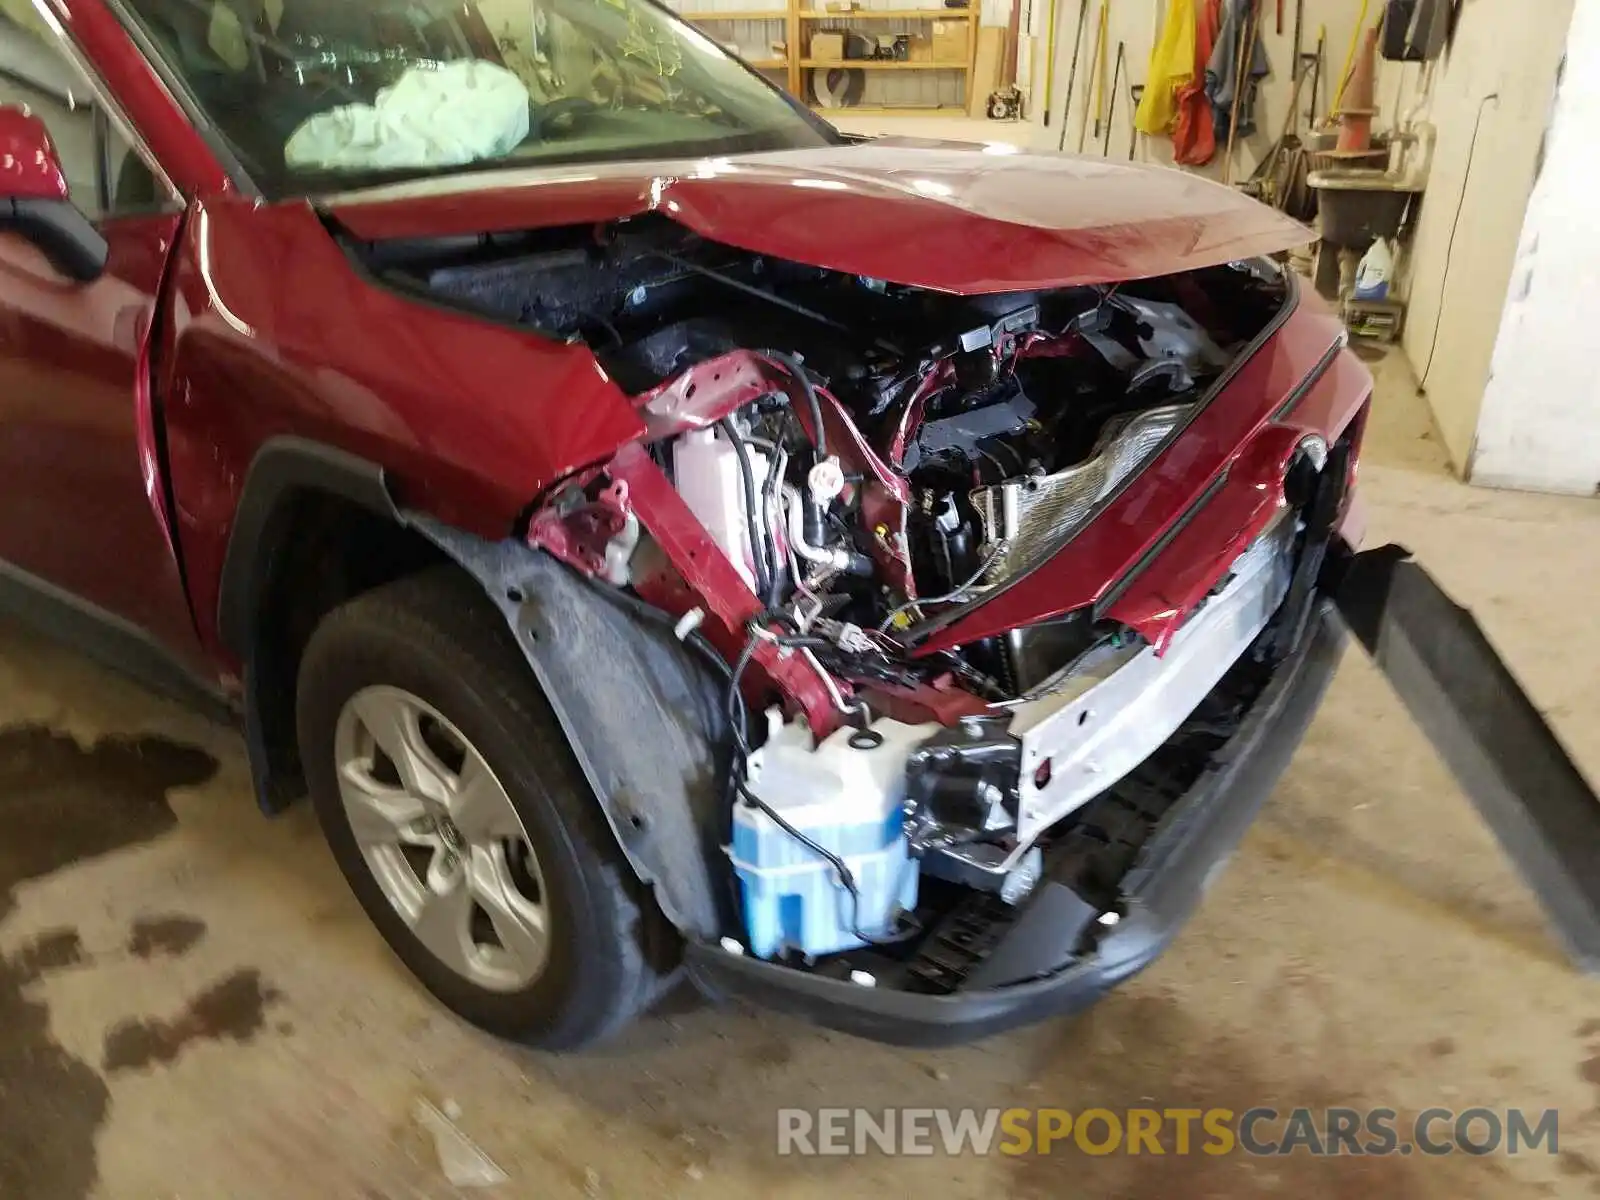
(802, 18)
(880, 110)
(889, 14)
(878, 64)
(738, 14)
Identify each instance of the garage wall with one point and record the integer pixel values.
(1502, 64)
(1540, 425)
(1134, 22)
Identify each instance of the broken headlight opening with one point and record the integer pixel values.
(1035, 515)
(869, 458)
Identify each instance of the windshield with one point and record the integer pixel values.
(325, 95)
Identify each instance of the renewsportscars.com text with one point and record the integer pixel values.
(1260, 1131)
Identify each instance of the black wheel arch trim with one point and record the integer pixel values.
(283, 468)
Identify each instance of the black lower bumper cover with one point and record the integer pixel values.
(1179, 862)
(1488, 732)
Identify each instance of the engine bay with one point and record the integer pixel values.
(996, 424)
(872, 460)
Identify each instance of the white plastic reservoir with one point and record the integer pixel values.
(706, 471)
(849, 800)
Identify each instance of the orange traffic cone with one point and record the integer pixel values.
(1357, 105)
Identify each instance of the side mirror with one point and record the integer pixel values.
(34, 200)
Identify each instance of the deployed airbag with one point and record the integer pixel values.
(446, 116)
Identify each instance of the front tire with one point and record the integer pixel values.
(454, 807)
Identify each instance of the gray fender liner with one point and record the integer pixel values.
(643, 714)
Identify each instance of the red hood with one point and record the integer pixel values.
(945, 215)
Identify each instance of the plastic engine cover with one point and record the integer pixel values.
(848, 799)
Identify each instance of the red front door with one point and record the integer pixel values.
(81, 506)
(80, 500)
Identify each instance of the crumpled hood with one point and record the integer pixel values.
(944, 215)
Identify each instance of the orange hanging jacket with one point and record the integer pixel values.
(1194, 139)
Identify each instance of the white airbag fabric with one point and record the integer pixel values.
(444, 116)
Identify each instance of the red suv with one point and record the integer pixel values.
(664, 535)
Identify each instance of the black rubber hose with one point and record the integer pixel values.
(815, 524)
(860, 566)
(819, 437)
(738, 712)
(752, 514)
(770, 503)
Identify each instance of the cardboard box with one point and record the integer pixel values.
(919, 48)
(950, 42)
(828, 47)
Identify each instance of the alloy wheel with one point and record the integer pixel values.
(442, 839)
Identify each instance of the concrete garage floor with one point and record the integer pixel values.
(191, 1004)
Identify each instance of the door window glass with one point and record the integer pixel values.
(315, 96)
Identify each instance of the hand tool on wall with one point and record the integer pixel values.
(1241, 84)
(1135, 94)
(1307, 67)
(1072, 72)
(1103, 40)
(1299, 29)
(1024, 69)
(1097, 63)
(1095, 68)
(1049, 59)
(1111, 108)
(1280, 18)
(1312, 106)
(1270, 181)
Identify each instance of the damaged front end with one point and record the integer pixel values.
(1014, 599)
